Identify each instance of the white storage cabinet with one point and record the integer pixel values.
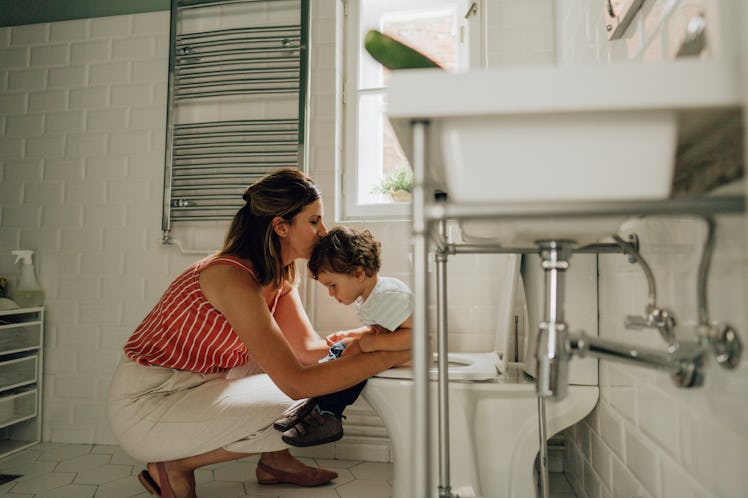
(21, 349)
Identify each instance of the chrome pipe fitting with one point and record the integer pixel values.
(684, 362)
(552, 354)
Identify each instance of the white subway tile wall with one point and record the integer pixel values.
(646, 437)
(83, 120)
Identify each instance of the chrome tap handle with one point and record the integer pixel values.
(664, 321)
(657, 318)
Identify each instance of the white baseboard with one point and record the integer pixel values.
(364, 448)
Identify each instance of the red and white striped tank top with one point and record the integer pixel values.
(184, 331)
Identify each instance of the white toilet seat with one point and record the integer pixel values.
(462, 366)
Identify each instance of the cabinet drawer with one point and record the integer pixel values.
(18, 372)
(17, 407)
(15, 337)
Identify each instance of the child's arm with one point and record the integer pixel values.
(397, 340)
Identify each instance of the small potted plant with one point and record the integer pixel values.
(398, 185)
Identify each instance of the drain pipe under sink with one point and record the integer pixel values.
(552, 368)
(445, 488)
(543, 453)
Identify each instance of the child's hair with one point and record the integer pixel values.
(343, 250)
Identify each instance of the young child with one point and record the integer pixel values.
(347, 262)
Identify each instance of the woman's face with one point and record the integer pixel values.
(304, 230)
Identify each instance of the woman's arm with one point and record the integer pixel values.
(295, 325)
(239, 298)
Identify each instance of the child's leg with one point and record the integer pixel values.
(335, 403)
(324, 424)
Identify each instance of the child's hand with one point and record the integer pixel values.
(344, 334)
(335, 337)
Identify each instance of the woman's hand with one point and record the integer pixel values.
(352, 348)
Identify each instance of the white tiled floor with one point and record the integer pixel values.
(53, 470)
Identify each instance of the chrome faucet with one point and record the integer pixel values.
(655, 317)
(684, 360)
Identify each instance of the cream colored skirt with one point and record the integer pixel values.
(161, 414)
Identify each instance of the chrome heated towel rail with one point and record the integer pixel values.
(250, 68)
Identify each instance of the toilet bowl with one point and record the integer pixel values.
(493, 407)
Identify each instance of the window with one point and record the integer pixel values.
(372, 153)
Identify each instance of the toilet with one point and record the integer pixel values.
(493, 408)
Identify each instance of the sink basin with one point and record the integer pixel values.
(553, 134)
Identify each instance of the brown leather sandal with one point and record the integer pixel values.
(150, 485)
(310, 477)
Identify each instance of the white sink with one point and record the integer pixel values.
(554, 134)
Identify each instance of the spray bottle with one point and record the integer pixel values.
(29, 293)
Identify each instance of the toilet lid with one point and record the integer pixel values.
(462, 366)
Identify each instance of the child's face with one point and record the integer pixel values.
(344, 287)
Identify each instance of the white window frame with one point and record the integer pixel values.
(354, 32)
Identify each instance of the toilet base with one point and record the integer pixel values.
(493, 433)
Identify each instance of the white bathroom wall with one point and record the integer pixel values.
(82, 111)
(648, 438)
(82, 117)
(82, 124)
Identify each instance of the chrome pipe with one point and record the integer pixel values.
(235, 133)
(421, 422)
(543, 451)
(213, 208)
(234, 143)
(253, 166)
(222, 93)
(209, 47)
(237, 122)
(192, 4)
(453, 248)
(223, 138)
(445, 489)
(634, 254)
(169, 136)
(704, 263)
(237, 35)
(242, 71)
(209, 197)
(247, 29)
(217, 186)
(233, 81)
(219, 154)
(683, 361)
(192, 65)
(212, 217)
(551, 355)
(203, 54)
(227, 176)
